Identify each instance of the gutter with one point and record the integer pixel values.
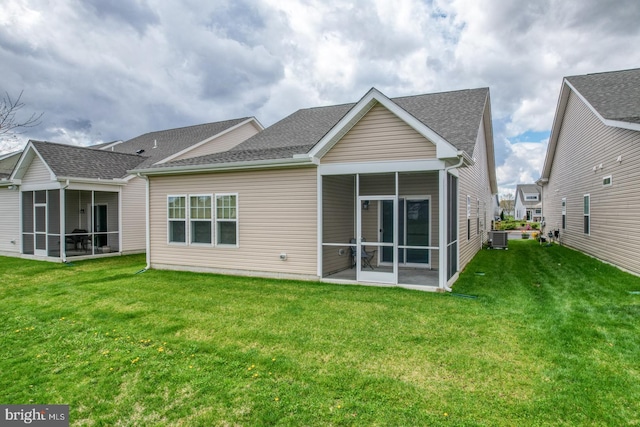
(147, 225)
(68, 179)
(234, 166)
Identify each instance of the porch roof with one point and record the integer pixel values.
(455, 116)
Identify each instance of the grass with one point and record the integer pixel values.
(550, 340)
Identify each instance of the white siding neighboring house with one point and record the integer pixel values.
(528, 205)
(9, 199)
(591, 174)
(63, 201)
(370, 192)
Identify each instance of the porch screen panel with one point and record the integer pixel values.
(53, 212)
(452, 226)
(27, 212)
(53, 249)
(27, 223)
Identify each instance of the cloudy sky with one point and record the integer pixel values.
(103, 70)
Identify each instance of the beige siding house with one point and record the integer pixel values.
(371, 192)
(66, 202)
(591, 175)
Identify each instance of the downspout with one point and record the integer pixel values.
(63, 222)
(147, 225)
(446, 171)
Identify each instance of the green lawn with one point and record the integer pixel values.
(553, 338)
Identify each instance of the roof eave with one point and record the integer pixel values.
(104, 181)
(231, 166)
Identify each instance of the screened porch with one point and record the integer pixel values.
(70, 223)
(384, 228)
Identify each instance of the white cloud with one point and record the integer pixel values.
(105, 71)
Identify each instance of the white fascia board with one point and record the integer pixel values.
(223, 167)
(211, 138)
(381, 167)
(26, 158)
(98, 181)
(608, 122)
(555, 129)
(443, 148)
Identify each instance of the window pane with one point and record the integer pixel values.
(586, 205)
(177, 232)
(226, 207)
(226, 232)
(200, 207)
(177, 208)
(201, 232)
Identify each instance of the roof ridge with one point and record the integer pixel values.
(191, 126)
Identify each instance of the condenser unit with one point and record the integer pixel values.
(498, 239)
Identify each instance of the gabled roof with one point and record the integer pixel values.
(614, 97)
(113, 160)
(522, 189)
(164, 144)
(69, 161)
(451, 117)
(7, 163)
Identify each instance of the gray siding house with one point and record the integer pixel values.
(528, 205)
(62, 201)
(591, 174)
(389, 191)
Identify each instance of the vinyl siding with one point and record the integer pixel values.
(584, 142)
(474, 181)
(134, 216)
(277, 213)
(380, 135)
(9, 221)
(37, 173)
(222, 143)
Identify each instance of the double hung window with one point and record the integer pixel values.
(177, 215)
(587, 214)
(191, 219)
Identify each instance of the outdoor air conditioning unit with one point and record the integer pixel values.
(498, 239)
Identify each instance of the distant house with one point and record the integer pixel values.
(528, 204)
(591, 174)
(390, 191)
(63, 201)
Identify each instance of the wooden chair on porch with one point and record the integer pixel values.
(365, 255)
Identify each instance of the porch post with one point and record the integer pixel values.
(63, 229)
(442, 235)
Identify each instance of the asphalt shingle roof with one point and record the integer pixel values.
(615, 95)
(80, 162)
(172, 141)
(453, 115)
(529, 189)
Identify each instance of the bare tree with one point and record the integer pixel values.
(10, 123)
(507, 203)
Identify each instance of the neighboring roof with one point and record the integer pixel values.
(7, 163)
(172, 141)
(455, 116)
(522, 189)
(112, 160)
(614, 97)
(80, 162)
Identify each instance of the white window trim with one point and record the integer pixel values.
(610, 178)
(236, 220)
(185, 219)
(190, 220)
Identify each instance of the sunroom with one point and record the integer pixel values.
(63, 223)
